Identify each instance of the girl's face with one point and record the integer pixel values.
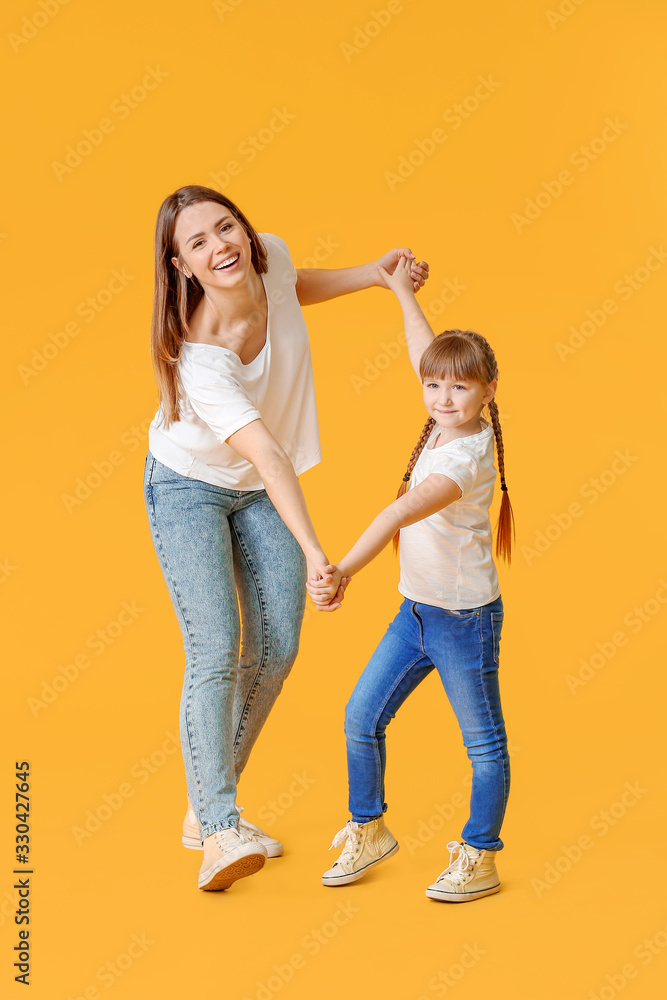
(457, 404)
(213, 245)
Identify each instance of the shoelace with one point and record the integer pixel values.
(348, 836)
(222, 837)
(462, 866)
(252, 831)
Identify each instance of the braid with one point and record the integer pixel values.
(416, 452)
(506, 517)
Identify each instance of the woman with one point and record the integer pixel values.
(236, 425)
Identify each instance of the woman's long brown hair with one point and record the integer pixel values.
(176, 296)
(465, 355)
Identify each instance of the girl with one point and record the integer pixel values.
(452, 613)
(236, 425)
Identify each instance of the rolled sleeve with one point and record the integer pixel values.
(222, 404)
(461, 468)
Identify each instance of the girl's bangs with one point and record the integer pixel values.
(452, 358)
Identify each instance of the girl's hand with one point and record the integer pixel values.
(323, 590)
(400, 281)
(386, 265)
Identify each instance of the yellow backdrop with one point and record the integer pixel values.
(519, 148)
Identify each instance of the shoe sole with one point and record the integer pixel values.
(460, 897)
(224, 877)
(196, 845)
(354, 876)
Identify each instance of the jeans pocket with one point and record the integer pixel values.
(496, 628)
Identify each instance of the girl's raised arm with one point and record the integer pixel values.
(418, 333)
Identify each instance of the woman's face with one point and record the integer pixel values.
(213, 245)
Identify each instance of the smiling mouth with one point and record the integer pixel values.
(226, 263)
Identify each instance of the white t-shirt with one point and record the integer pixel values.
(446, 558)
(221, 394)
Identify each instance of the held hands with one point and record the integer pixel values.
(327, 592)
(387, 267)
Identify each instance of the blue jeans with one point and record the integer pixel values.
(220, 549)
(463, 647)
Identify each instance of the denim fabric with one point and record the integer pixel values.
(463, 646)
(212, 545)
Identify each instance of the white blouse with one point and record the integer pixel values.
(222, 394)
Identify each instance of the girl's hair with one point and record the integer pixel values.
(465, 355)
(176, 296)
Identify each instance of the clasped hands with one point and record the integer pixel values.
(328, 588)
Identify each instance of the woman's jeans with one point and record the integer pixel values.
(213, 544)
(463, 647)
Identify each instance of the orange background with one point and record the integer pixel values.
(583, 700)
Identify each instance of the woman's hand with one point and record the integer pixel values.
(318, 567)
(400, 280)
(388, 262)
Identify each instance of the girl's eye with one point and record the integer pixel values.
(195, 245)
(459, 386)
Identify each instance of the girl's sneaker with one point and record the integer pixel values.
(229, 856)
(471, 875)
(366, 845)
(190, 837)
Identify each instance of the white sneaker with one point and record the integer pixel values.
(228, 856)
(191, 839)
(366, 845)
(472, 875)
(273, 847)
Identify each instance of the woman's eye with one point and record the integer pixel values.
(227, 225)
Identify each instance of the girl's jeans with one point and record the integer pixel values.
(213, 544)
(463, 647)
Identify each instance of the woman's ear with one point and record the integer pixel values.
(181, 267)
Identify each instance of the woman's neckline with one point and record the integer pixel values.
(228, 350)
(435, 447)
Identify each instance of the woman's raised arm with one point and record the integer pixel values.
(316, 284)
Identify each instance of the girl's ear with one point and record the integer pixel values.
(491, 391)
